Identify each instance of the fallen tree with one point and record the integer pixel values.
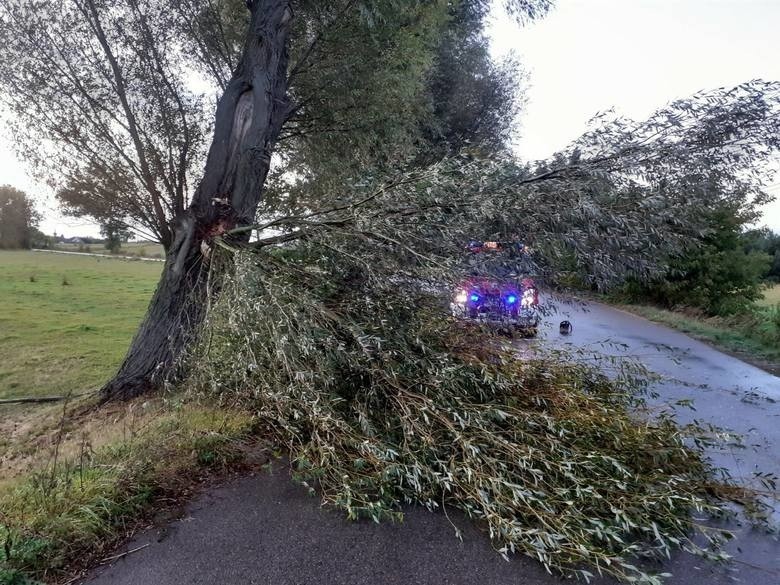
(103, 107)
(618, 203)
(331, 327)
(380, 399)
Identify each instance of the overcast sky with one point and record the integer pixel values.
(591, 55)
(635, 55)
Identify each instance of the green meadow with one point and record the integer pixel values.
(66, 321)
(771, 296)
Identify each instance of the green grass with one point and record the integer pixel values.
(66, 321)
(771, 296)
(70, 512)
(74, 479)
(144, 249)
(140, 249)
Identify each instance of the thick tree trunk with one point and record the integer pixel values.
(249, 118)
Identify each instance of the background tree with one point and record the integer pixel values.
(474, 99)
(115, 233)
(104, 82)
(719, 273)
(40, 240)
(436, 93)
(18, 218)
(767, 242)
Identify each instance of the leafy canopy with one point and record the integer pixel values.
(111, 100)
(18, 218)
(618, 203)
(717, 274)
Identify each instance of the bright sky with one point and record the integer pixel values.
(636, 55)
(591, 55)
(12, 172)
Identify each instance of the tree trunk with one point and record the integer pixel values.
(249, 118)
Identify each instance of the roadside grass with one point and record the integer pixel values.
(754, 337)
(75, 479)
(771, 296)
(102, 473)
(66, 321)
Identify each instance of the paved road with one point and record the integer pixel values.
(266, 530)
(726, 391)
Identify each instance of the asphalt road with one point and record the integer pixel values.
(264, 529)
(726, 391)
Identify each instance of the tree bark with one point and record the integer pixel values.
(249, 118)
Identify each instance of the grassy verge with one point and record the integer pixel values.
(101, 474)
(771, 297)
(65, 321)
(73, 479)
(754, 337)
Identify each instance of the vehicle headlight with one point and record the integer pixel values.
(461, 296)
(529, 298)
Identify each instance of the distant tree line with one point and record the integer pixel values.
(115, 232)
(767, 242)
(723, 273)
(19, 225)
(18, 218)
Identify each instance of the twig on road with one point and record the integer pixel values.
(124, 554)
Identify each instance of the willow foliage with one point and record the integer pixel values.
(332, 325)
(381, 399)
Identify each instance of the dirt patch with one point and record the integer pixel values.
(31, 434)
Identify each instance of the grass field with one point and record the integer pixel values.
(66, 321)
(771, 296)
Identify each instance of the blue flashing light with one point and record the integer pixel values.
(474, 297)
(511, 299)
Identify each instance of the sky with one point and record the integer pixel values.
(588, 56)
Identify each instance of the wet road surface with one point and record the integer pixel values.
(264, 529)
(725, 391)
